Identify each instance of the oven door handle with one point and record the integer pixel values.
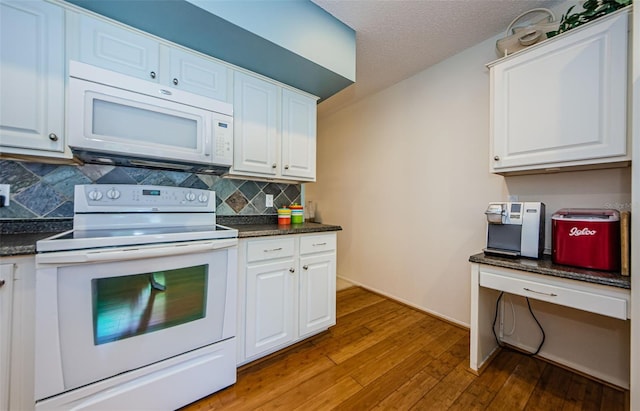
(134, 253)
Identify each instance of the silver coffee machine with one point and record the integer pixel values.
(515, 229)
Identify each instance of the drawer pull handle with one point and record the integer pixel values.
(2, 282)
(317, 244)
(540, 292)
(273, 249)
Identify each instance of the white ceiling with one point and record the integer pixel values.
(396, 39)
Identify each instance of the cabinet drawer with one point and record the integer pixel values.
(261, 250)
(317, 243)
(609, 305)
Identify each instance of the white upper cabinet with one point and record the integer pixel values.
(562, 103)
(32, 59)
(298, 136)
(117, 48)
(256, 135)
(114, 48)
(274, 131)
(194, 74)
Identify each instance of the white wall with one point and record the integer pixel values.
(405, 173)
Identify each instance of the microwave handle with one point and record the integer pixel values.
(133, 253)
(207, 138)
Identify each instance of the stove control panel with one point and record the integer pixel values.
(142, 198)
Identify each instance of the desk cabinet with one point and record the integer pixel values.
(611, 304)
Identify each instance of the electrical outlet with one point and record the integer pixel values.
(269, 200)
(5, 190)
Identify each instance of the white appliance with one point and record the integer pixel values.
(515, 229)
(136, 306)
(117, 119)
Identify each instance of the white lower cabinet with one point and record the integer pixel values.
(17, 332)
(6, 299)
(270, 303)
(287, 291)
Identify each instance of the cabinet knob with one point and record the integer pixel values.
(306, 267)
(53, 137)
(274, 165)
(152, 74)
(175, 81)
(2, 283)
(496, 158)
(292, 270)
(286, 167)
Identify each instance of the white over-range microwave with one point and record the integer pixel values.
(117, 119)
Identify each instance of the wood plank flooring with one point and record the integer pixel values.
(382, 355)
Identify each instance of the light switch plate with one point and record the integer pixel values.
(269, 200)
(5, 190)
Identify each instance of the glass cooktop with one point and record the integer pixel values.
(83, 239)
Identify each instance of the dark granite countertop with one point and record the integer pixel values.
(19, 237)
(21, 244)
(261, 230)
(545, 266)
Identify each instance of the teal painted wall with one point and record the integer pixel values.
(297, 25)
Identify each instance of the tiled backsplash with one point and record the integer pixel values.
(45, 190)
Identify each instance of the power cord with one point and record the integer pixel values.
(495, 318)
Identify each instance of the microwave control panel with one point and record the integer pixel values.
(223, 141)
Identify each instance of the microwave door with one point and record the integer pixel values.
(116, 121)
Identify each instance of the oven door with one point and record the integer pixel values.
(103, 312)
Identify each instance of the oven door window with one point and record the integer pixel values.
(115, 316)
(131, 305)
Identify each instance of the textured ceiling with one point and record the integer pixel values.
(396, 39)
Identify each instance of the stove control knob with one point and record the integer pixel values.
(190, 196)
(95, 195)
(203, 198)
(113, 194)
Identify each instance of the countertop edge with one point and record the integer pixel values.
(270, 230)
(20, 244)
(546, 267)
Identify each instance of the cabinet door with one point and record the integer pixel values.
(6, 300)
(298, 136)
(113, 47)
(255, 126)
(269, 306)
(317, 293)
(32, 62)
(563, 101)
(195, 74)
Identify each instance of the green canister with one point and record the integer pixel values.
(297, 214)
